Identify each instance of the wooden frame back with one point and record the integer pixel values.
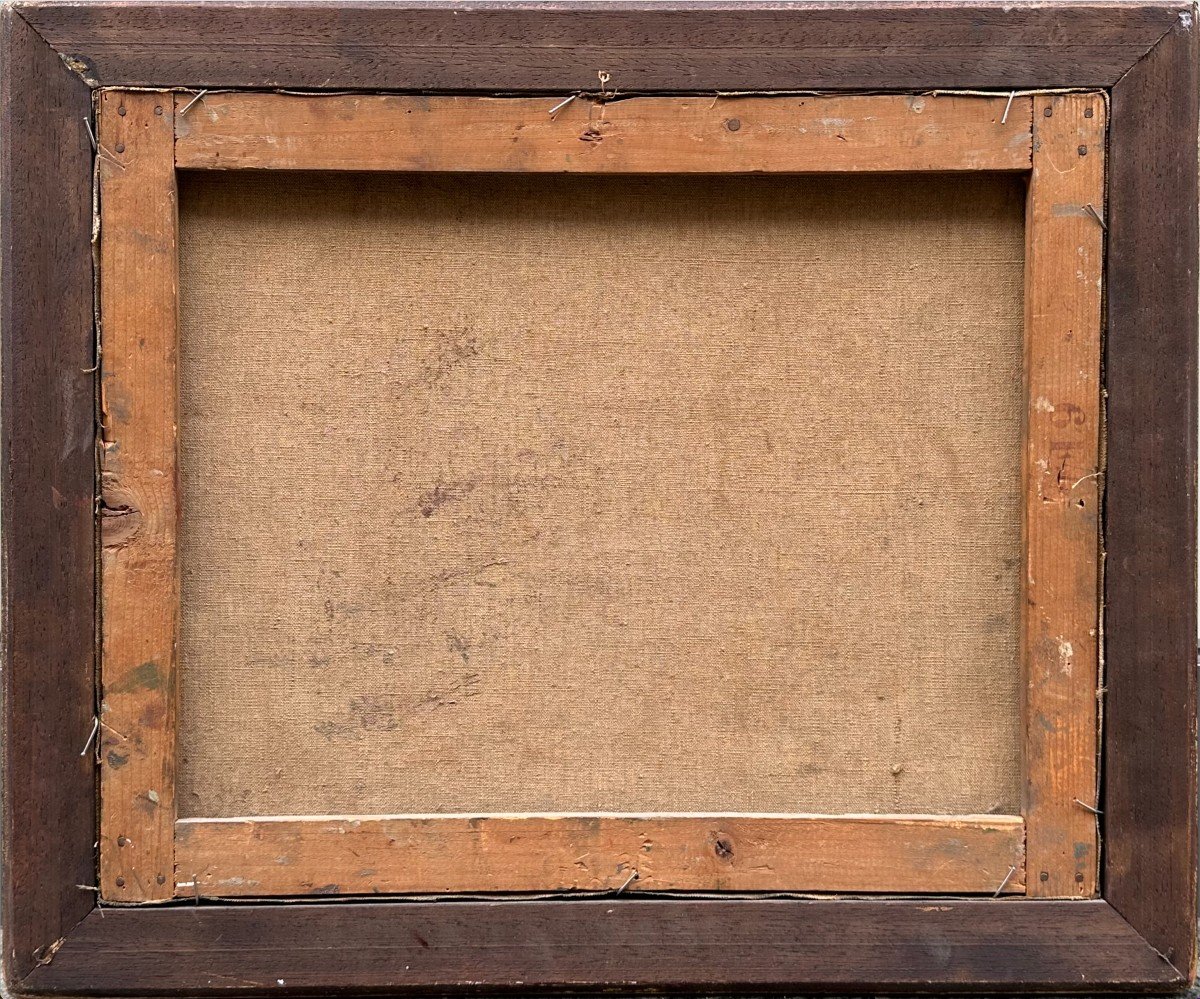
(1140, 935)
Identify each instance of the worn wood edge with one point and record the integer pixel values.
(365, 855)
(1060, 606)
(1151, 726)
(487, 46)
(631, 945)
(48, 788)
(788, 134)
(139, 495)
(29, 7)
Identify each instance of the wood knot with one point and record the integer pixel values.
(723, 848)
(120, 519)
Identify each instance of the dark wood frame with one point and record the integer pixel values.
(1138, 937)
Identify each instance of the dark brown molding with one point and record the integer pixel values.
(1139, 939)
(669, 47)
(47, 421)
(614, 944)
(1150, 759)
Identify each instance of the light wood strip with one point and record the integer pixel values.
(463, 853)
(139, 588)
(636, 135)
(1064, 260)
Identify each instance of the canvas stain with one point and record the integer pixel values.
(460, 645)
(432, 499)
(374, 712)
(454, 350)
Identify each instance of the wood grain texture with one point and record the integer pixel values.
(1150, 513)
(1064, 262)
(673, 47)
(616, 944)
(639, 135)
(48, 461)
(139, 512)
(458, 853)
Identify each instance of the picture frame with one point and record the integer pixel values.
(1138, 63)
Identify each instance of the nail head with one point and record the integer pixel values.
(1083, 150)
(1088, 112)
(1048, 112)
(120, 882)
(158, 109)
(121, 110)
(120, 147)
(733, 124)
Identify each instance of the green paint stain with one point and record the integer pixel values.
(145, 677)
